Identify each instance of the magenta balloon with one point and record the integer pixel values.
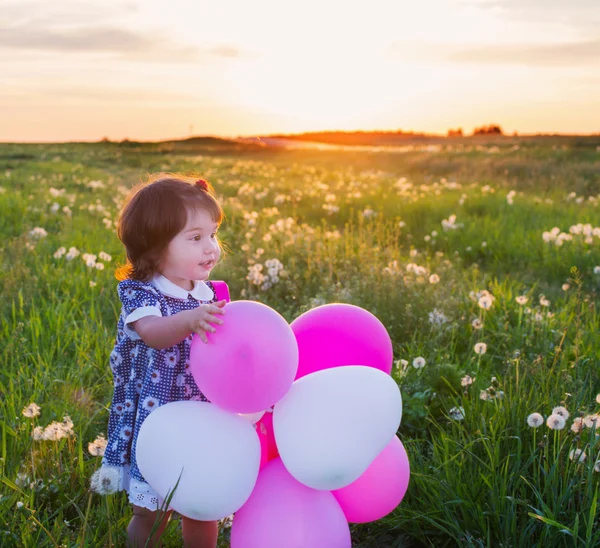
(381, 487)
(341, 334)
(250, 361)
(264, 428)
(283, 513)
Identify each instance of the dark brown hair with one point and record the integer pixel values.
(153, 214)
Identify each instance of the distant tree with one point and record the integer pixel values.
(455, 132)
(492, 129)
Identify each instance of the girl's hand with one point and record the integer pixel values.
(201, 316)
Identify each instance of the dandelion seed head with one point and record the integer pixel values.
(578, 455)
(534, 420)
(555, 422)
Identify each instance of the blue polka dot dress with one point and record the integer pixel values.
(145, 378)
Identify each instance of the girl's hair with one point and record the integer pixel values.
(154, 213)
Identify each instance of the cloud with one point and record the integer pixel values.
(576, 53)
(130, 44)
(65, 12)
(583, 15)
(551, 54)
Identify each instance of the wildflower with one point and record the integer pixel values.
(419, 362)
(73, 252)
(437, 317)
(38, 232)
(31, 411)
(597, 466)
(104, 257)
(485, 395)
(92, 283)
(565, 287)
(578, 455)
(597, 270)
(467, 380)
(105, 480)
(485, 302)
(19, 504)
(97, 447)
(402, 363)
(38, 433)
(555, 422)
(577, 425)
(99, 266)
(597, 398)
(434, 279)
(480, 348)
(59, 252)
(534, 420)
(590, 421)
(521, 299)
(477, 323)
(544, 301)
(562, 411)
(457, 413)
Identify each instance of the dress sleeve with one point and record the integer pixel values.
(139, 299)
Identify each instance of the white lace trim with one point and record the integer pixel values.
(141, 494)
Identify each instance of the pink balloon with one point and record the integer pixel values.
(341, 334)
(283, 513)
(264, 451)
(250, 361)
(264, 429)
(381, 487)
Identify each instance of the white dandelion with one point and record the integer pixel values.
(555, 422)
(562, 411)
(457, 413)
(467, 380)
(578, 455)
(31, 411)
(535, 420)
(480, 348)
(97, 447)
(418, 362)
(578, 425)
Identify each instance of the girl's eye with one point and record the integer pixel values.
(197, 238)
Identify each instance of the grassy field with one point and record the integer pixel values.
(453, 247)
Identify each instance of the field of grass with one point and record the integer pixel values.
(450, 247)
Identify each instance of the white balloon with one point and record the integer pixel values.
(219, 453)
(253, 418)
(332, 424)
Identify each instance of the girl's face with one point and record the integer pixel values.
(193, 253)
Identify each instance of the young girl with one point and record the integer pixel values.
(169, 229)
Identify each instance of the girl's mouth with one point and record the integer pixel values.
(208, 264)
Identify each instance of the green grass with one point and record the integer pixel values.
(487, 480)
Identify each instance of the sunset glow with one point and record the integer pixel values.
(84, 70)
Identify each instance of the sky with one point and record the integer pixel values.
(152, 70)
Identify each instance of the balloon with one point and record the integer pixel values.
(250, 361)
(341, 334)
(252, 418)
(380, 489)
(282, 513)
(332, 424)
(264, 429)
(218, 452)
(264, 450)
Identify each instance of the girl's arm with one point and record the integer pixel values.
(161, 332)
